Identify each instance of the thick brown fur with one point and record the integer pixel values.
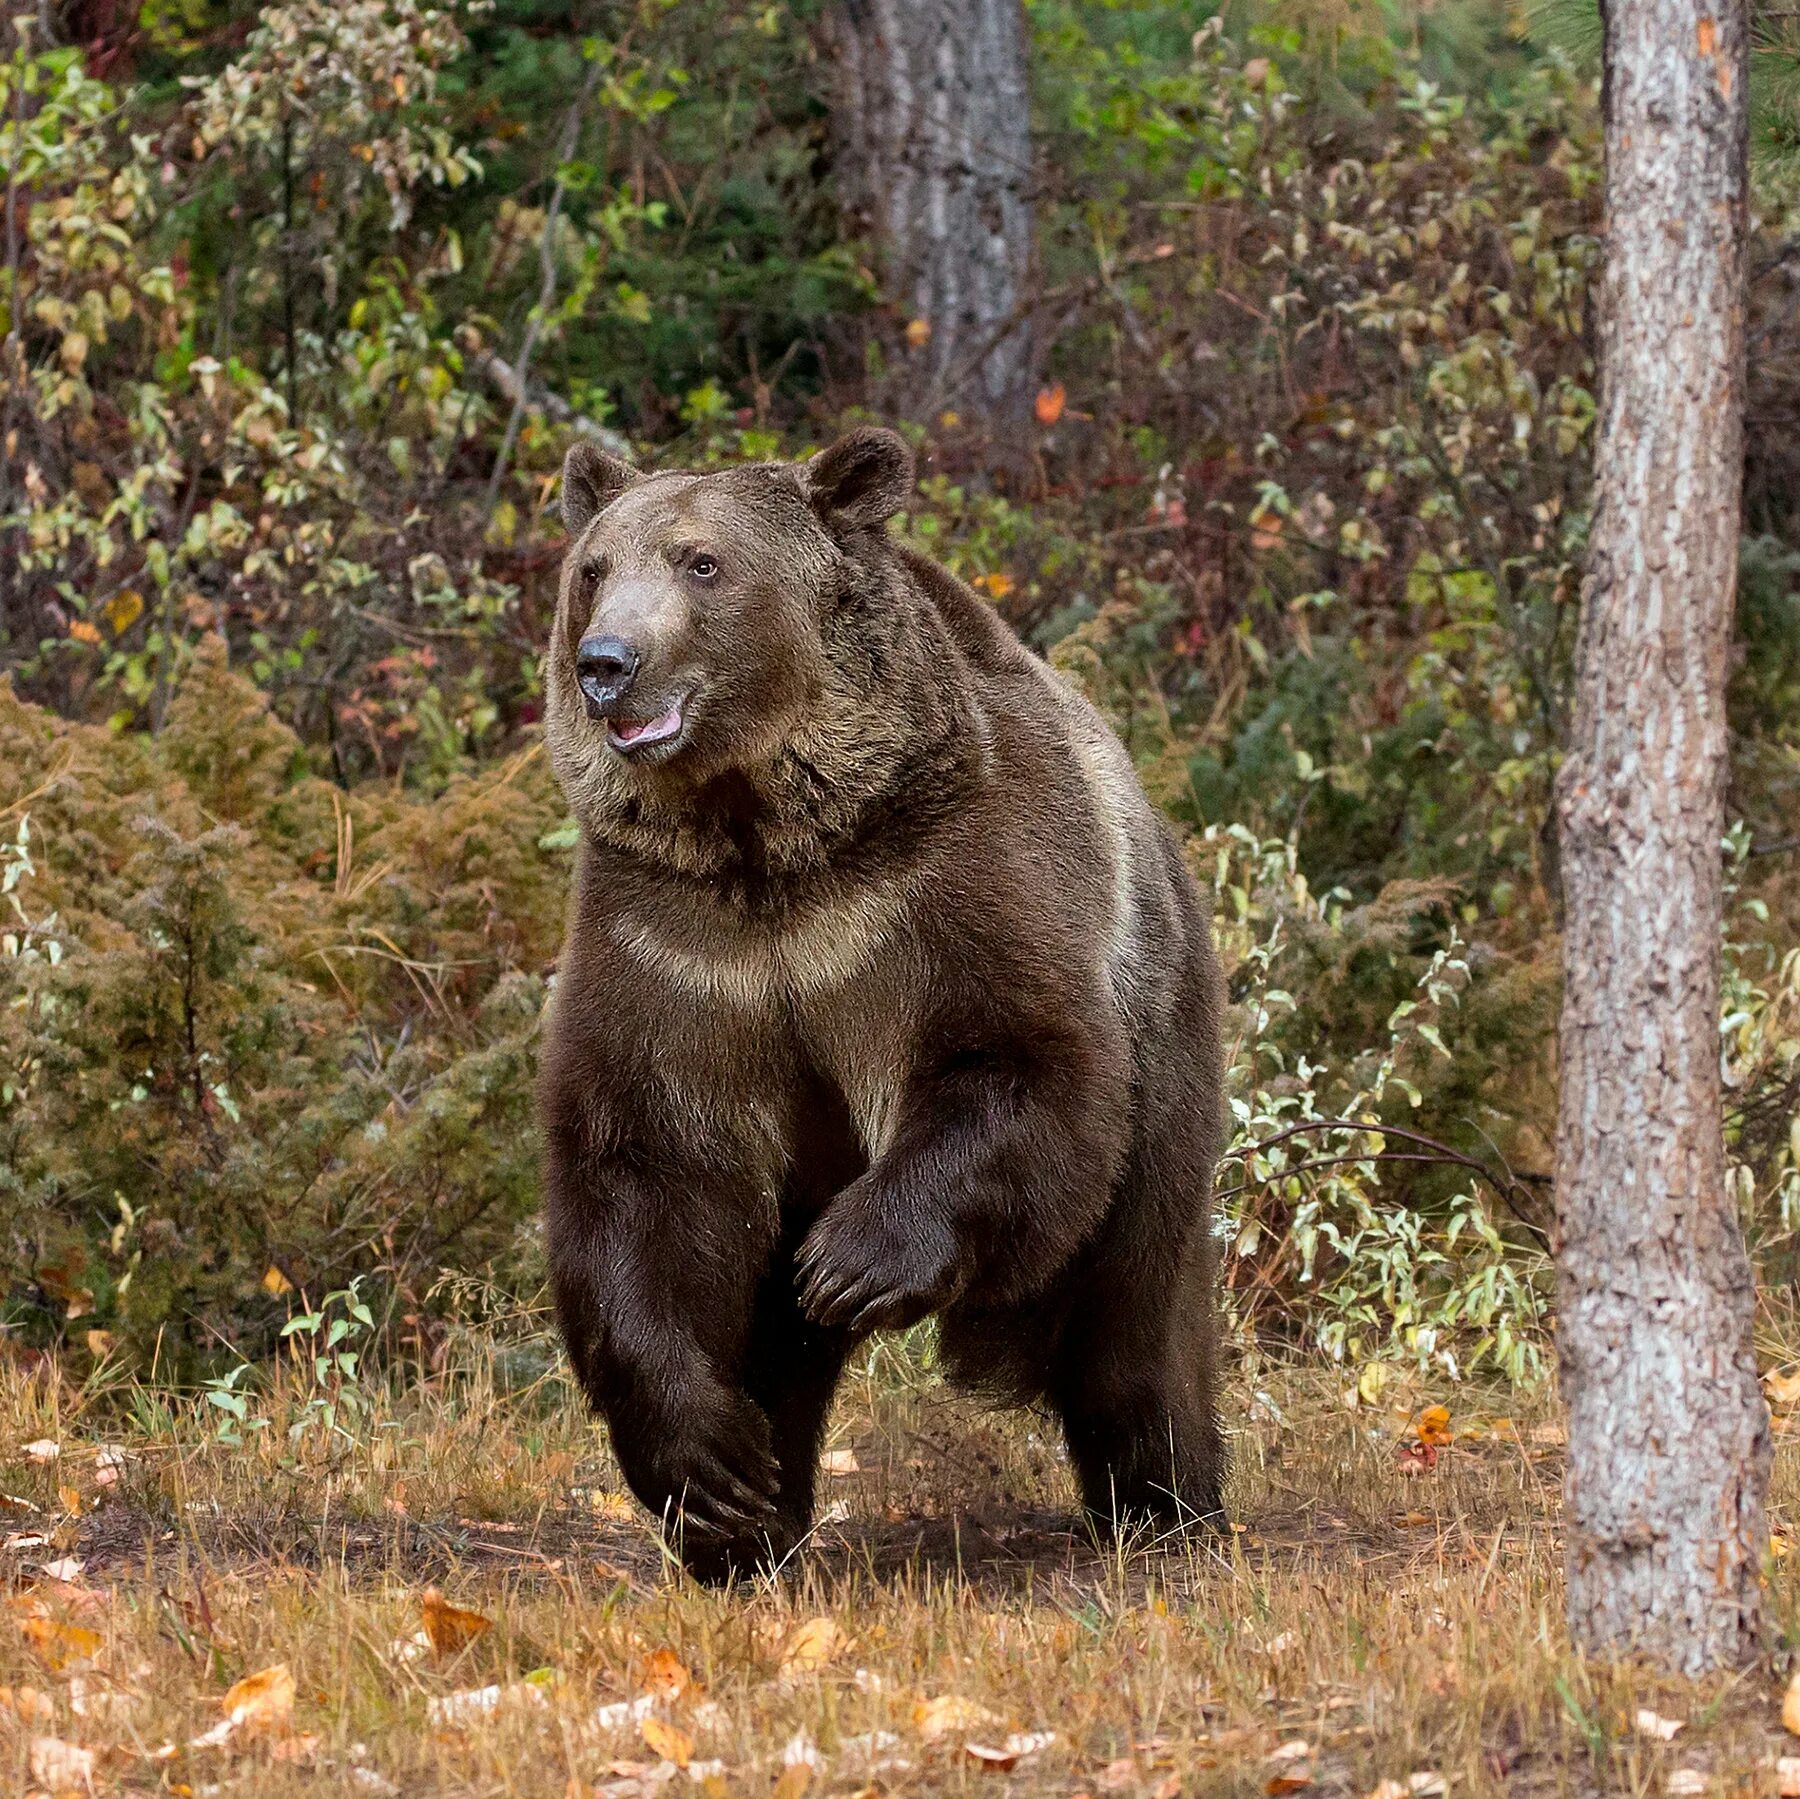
(886, 993)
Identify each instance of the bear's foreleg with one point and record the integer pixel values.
(657, 1320)
(999, 1169)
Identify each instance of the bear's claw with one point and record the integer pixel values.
(855, 1270)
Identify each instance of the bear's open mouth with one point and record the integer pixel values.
(630, 734)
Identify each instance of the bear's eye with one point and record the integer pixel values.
(592, 573)
(703, 567)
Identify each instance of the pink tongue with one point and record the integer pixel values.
(630, 733)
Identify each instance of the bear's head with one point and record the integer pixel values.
(694, 630)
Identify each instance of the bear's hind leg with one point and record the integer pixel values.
(1133, 1386)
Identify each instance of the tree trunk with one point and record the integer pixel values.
(1668, 1432)
(933, 151)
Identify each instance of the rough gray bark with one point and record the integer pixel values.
(1668, 1433)
(933, 157)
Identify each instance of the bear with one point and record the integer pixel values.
(886, 993)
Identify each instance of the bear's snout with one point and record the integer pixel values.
(605, 668)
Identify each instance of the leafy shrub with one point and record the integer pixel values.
(259, 1033)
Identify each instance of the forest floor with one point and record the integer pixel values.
(299, 1616)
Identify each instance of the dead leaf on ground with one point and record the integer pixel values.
(31, 1705)
(666, 1676)
(1116, 1776)
(793, 1781)
(811, 1645)
(478, 1702)
(667, 1740)
(1790, 1706)
(1782, 1389)
(1685, 1782)
(1433, 1427)
(1426, 1783)
(1787, 1776)
(45, 1449)
(1416, 1458)
(57, 1644)
(934, 1718)
(62, 1767)
(261, 1701)
(448, 1628)
(1004, 1757)
(839, 1461)
(1651, 1724)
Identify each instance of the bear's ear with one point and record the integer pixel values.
(862, 480)
(591, 481)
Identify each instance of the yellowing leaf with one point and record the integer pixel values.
(1434, 1426)
(99, 1344)
(795, 1778)
(665, 1677)
(83, 631)
(998, 583)
(1783, 1389)
(74, 350)
(934, 1718)
(918, 333)
(274, 1281)
(448, 1628)
(672, 1744)
(1050, 403)
(261, 1702)
(811, 1646)
(123, 610)
(58, 1645)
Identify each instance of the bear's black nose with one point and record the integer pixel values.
(604, 670)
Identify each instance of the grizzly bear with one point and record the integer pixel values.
(886, 993)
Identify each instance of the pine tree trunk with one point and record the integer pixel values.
(1668, 1433)
(933, 157)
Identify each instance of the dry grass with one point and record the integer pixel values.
(1396, 1625)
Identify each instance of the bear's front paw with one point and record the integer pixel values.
(867, 1267)
(710, 1471)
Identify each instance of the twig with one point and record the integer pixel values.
(565, 150)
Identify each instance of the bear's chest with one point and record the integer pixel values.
(824, 1004)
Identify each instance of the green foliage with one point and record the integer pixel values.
(277, 1049)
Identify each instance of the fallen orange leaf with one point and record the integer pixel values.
(794, 1777)
(672, 1744)
(811, 1646)
(1050, 403)
(933, 1718)
(59, 1644)
(261, 1702)
(664, 1675)
(448, 1627)
(1434, 1426)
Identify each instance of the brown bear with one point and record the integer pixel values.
(885, 993)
